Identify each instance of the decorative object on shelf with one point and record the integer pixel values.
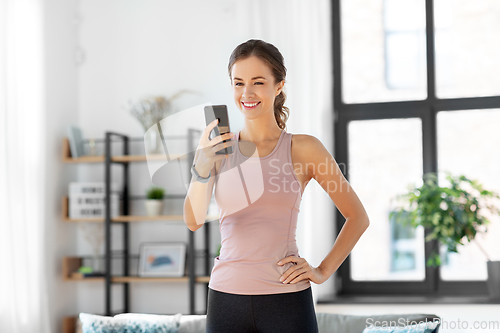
(87, 199)
(154, 201)
(162, 259)
(86, 272)
(149, 111)
(75, 141)
(454, 214)
(92, 148)
(94, 235)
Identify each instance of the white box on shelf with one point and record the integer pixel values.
(92, 199)
(92, 212)
(92, 188)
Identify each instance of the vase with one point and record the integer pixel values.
(97, 263)
(493, 279)
(153, 207)
(152, 142)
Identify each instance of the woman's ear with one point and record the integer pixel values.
(280, 87)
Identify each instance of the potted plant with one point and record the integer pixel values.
(151, 110)
(154, 203)
(453, 214)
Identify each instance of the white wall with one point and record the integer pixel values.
(62, 109)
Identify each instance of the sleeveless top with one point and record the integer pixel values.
(258, 200)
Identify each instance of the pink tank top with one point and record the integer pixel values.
(258, 200)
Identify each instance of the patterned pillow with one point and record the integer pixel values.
(130, 323)
(424, 327)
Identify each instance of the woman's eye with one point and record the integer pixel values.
(238, 83)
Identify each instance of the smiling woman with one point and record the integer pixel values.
(248, 291)
(259, 282)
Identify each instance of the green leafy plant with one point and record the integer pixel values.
(218, 250)
(155, 193)
(453, 214)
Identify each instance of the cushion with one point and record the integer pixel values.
(424, 327)
(332, 322)
(130, 323)
(193, 324)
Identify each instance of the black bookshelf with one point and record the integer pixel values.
(191, 255)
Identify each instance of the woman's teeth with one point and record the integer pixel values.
(250, 105)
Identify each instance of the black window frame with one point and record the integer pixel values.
(427, 111)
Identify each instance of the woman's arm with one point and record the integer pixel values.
(324, 169)
(198, 199)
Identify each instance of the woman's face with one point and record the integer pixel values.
(253, 87)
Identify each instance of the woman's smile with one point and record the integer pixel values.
(250, 105)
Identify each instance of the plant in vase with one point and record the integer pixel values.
(453, 214)
(94, 235)
(151, 110)
(154, 200)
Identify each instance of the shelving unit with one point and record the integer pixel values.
(71, 264)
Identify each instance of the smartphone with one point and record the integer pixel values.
(213, 112)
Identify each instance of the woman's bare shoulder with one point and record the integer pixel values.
(309, 151)
(303, 143)
(305, 149)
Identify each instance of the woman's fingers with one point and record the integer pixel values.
(220, 138)
(219, 146)
(209, 129)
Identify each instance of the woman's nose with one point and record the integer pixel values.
(247, 91)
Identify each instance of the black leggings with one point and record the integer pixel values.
(270, 313)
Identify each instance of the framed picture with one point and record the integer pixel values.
(162, 259)
(75, 141)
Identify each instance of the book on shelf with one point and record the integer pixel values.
(78, 275)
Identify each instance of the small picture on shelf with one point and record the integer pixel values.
(75, 141)
(162, 259)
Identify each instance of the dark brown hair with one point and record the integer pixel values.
(272, 57)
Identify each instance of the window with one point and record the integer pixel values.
(417, 90)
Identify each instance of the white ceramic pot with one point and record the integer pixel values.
(153, 207)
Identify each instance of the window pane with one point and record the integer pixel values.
(468, 144)
(383, 50)
(467, 51)
(385, 156)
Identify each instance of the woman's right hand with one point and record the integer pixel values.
(206, 156)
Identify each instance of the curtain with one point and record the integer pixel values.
(23, 289)
(301, 30)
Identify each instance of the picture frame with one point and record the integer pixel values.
(165, 259)
(75, 139)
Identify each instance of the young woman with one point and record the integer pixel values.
(259, 283)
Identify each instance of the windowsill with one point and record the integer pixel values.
(406, 299)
